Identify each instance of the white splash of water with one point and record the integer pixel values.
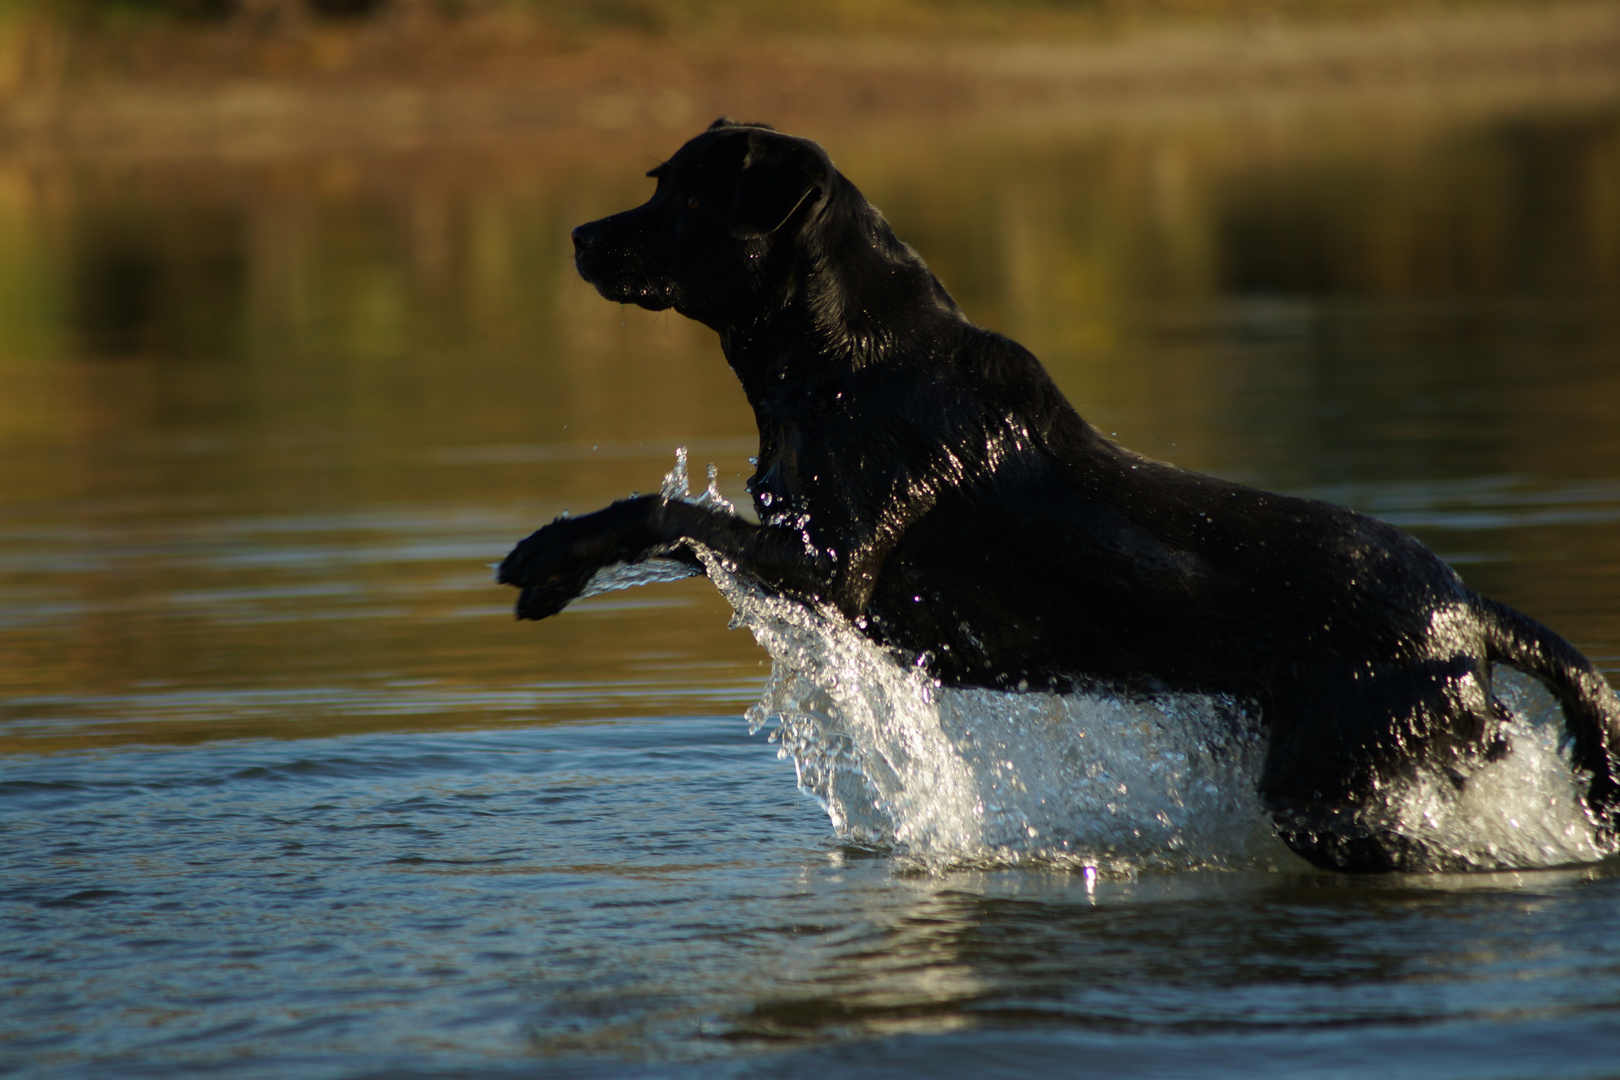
(1520, 812)
(984, 777)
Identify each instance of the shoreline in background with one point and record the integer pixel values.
(388, 90)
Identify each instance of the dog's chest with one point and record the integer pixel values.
(806, 475)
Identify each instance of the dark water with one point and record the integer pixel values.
(286, 793)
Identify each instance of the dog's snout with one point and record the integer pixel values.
(614, 259)
(593, 236)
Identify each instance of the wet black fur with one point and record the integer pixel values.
(926, 478)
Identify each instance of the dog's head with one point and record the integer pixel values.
(711, 238)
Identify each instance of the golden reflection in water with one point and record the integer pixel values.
(262, 424)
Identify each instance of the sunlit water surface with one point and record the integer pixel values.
(285, 792)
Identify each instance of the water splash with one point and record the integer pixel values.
(654, 569)
(1522, 811)
(977, 777)
(949, 776)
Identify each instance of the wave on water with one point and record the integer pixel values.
(950, 776)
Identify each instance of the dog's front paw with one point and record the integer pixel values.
(548, 566)
(543, 601)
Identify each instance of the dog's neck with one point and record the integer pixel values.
(852, 295)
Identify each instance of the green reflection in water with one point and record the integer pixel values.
(261, 425)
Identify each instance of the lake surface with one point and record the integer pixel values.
(285, 791)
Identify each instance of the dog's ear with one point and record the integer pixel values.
(778, 176)
(728, 122)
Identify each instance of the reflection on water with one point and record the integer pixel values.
(263, 425)
(1519, 207)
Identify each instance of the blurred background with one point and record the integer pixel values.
(291, 346)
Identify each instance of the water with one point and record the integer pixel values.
(285, 791)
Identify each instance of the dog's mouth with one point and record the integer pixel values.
(651, 297)
(624, 284)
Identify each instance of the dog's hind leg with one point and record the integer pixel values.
(1345, 753)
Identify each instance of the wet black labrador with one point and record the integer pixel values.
(926, 478)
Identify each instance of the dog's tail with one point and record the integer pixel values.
(1591, 710)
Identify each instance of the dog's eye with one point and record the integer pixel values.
(692, 204)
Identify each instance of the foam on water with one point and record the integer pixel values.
(947, 776)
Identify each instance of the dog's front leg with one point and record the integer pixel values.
(554, 565)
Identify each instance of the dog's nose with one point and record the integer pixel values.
(583, 238)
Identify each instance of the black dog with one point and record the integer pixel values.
(926, 478)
